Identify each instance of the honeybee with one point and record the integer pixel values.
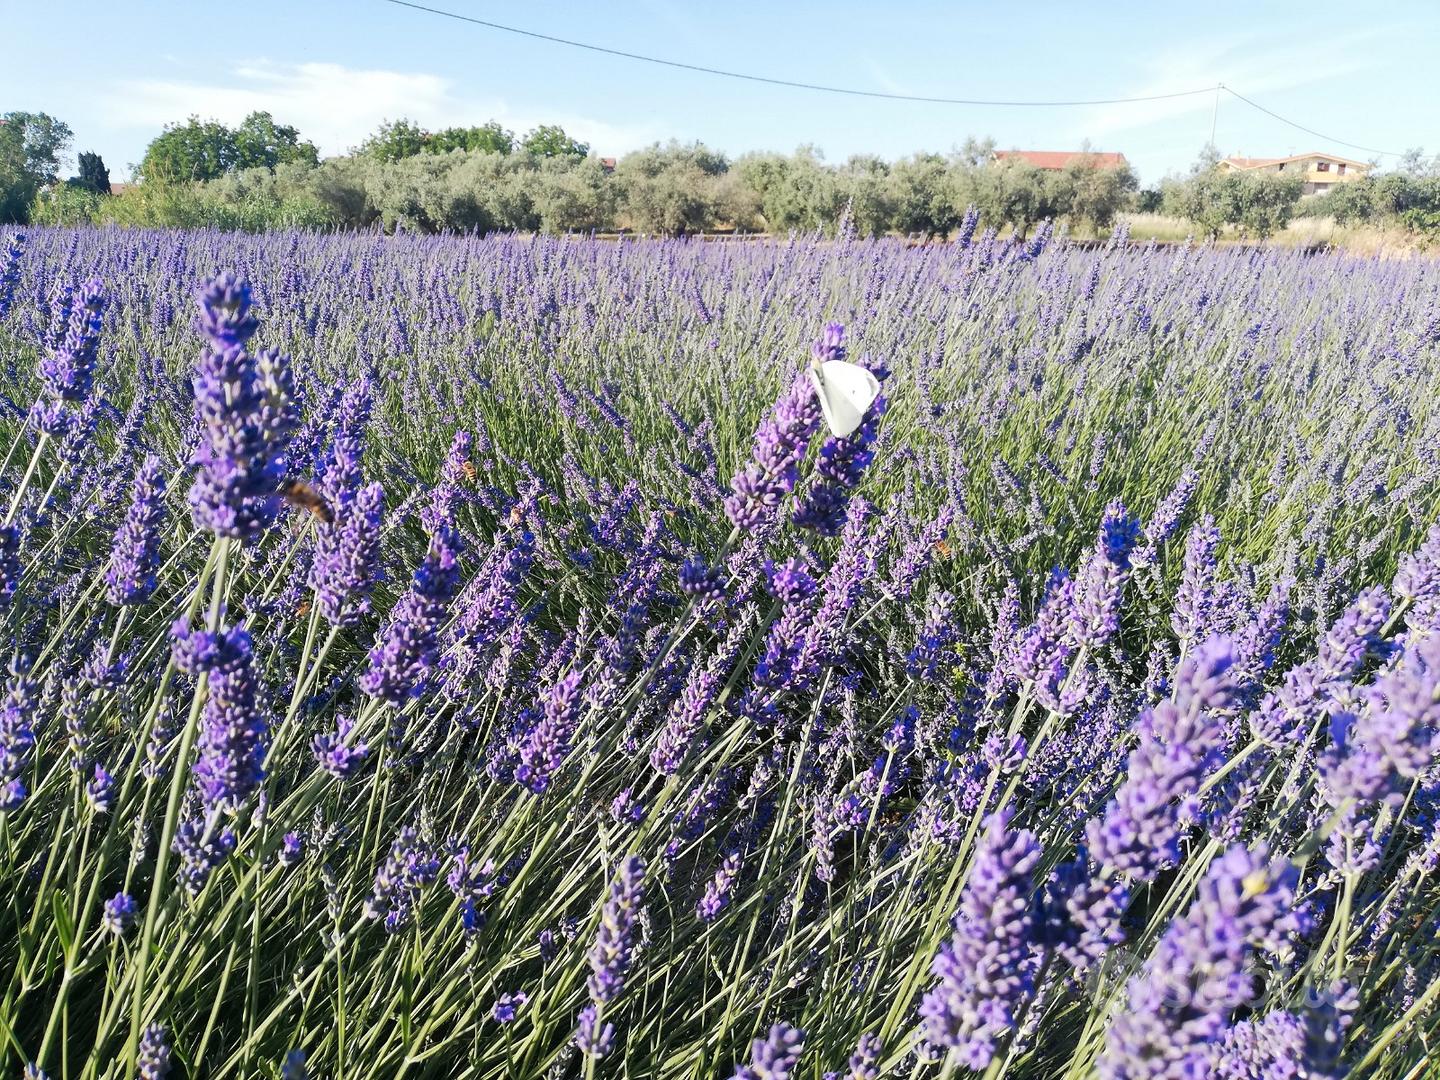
(943, 549)
(468, 468)
(303, 495)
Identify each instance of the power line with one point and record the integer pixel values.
(1302, 127)
(853, 92)
(850, 91)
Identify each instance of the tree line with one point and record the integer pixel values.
(262, 174)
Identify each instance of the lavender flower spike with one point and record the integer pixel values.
(986, 971)
(614, 949)
(775, 1056)
(247, 411)
(130, 578)
(230, 765)
(780, 445)
(69, 371)
(1180, 1005)
(401, 664)
(1180, 743)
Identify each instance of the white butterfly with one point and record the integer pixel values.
(846, 391)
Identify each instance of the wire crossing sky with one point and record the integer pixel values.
(844, 77)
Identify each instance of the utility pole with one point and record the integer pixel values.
(1215, 112)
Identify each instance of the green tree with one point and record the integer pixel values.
(1267, 202)
(798, 192)
(262, 143)
(921, 196)
(670, 189)
(488, 138)
(31, 146)
(394, 141)
(94, 176)
(864, 183)
(1093, 194)
(549, 140)
(1011, 192)
(194, 150)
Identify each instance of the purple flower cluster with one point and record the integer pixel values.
(781, 442)
(1181, 741)
(68, 372)
(613, 952)
(402, 662)
(775, 1056)
(985, 972)
(10, 272)
(547, 744)
(17, 737)
(1181, 1004)
(231, 757)
(411, 865)
(246, 408)
(134, 557)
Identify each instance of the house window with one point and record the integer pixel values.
(1340, 169)
(1323, 166)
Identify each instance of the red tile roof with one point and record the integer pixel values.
(1059, 159)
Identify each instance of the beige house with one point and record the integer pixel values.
(1321, 172)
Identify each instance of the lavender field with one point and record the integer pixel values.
(476, 657)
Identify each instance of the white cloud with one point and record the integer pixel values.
(336, 107)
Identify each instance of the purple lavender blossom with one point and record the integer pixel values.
(347, 555)
(152, 1060)
(1095, 617)
(293, 1067)
(547, 744)
(780, 445)
(985, 972)
(201, 850)
(10, 568)
(472, 883)
(702, 582)
(682, 723)
(1180, 743)
(411, 865)
(10, 272)
(68, 372)
(336, 754)
(1195, 598)
(775, 1056)
(100, 791)
(135, 555)
(1304, 1044)
(1180, 1004)
(401, 664)
(119, 914)
(17, 736)
(718, 889)
(591, 1037)
(245, 405)
(231, 748)
(292, 849)
(613, 952)
(508, 1006)
(864, 1063)
(1417, 582)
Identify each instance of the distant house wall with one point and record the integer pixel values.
(1320, 172)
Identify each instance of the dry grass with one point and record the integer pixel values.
(1301, 232)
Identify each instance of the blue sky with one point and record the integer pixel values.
(1360, 72)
